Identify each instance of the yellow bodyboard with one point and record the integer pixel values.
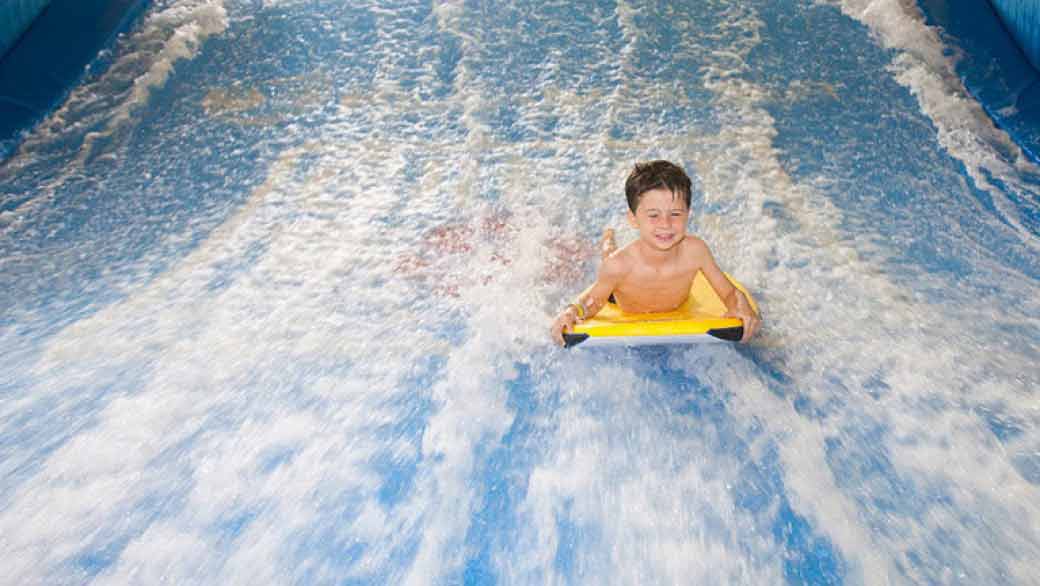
(699, 319)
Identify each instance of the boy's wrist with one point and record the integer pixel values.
(578, 309)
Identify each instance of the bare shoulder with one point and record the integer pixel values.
(695, 250)
(618, 265)
(694, 244)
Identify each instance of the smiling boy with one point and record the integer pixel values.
(654, 273)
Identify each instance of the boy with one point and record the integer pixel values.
(655, 272)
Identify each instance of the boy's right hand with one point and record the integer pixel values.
(564, 323)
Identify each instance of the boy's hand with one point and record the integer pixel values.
(746, 314)
(564, 323)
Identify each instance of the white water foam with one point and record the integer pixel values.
(202, 432)
(196, 435)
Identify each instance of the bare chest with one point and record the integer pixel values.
(647, 291)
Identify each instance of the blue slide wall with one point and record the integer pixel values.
(15, 17)
(1022, 19)
(54, 53)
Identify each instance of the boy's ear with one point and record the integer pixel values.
(632, 219)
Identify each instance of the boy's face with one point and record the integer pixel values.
(660, 218)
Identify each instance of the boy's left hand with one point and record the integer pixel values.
(746, 314)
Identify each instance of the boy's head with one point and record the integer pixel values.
(653, 175)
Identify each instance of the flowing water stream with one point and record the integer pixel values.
(276, 289)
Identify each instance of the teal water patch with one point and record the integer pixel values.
(1022, 18)
(15, 17)
(38, 71)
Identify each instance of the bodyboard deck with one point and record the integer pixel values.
(699, 319)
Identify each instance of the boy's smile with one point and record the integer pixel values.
(660, 218)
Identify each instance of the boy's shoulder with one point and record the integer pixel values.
(694, 243)
(694, 246)
(620, 262)
(694, 253)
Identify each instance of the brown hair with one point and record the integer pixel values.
(647, 176)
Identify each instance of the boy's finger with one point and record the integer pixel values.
(749, 328)
(752, 328)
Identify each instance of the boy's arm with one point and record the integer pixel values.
(591, 301)
(737, 304)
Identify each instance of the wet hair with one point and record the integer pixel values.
(655, 174)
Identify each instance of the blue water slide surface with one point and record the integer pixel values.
(993, 66)
(202, 254)
(52, 56)
(15, 17)
(1022, 19)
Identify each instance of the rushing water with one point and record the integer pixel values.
(276, 290)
